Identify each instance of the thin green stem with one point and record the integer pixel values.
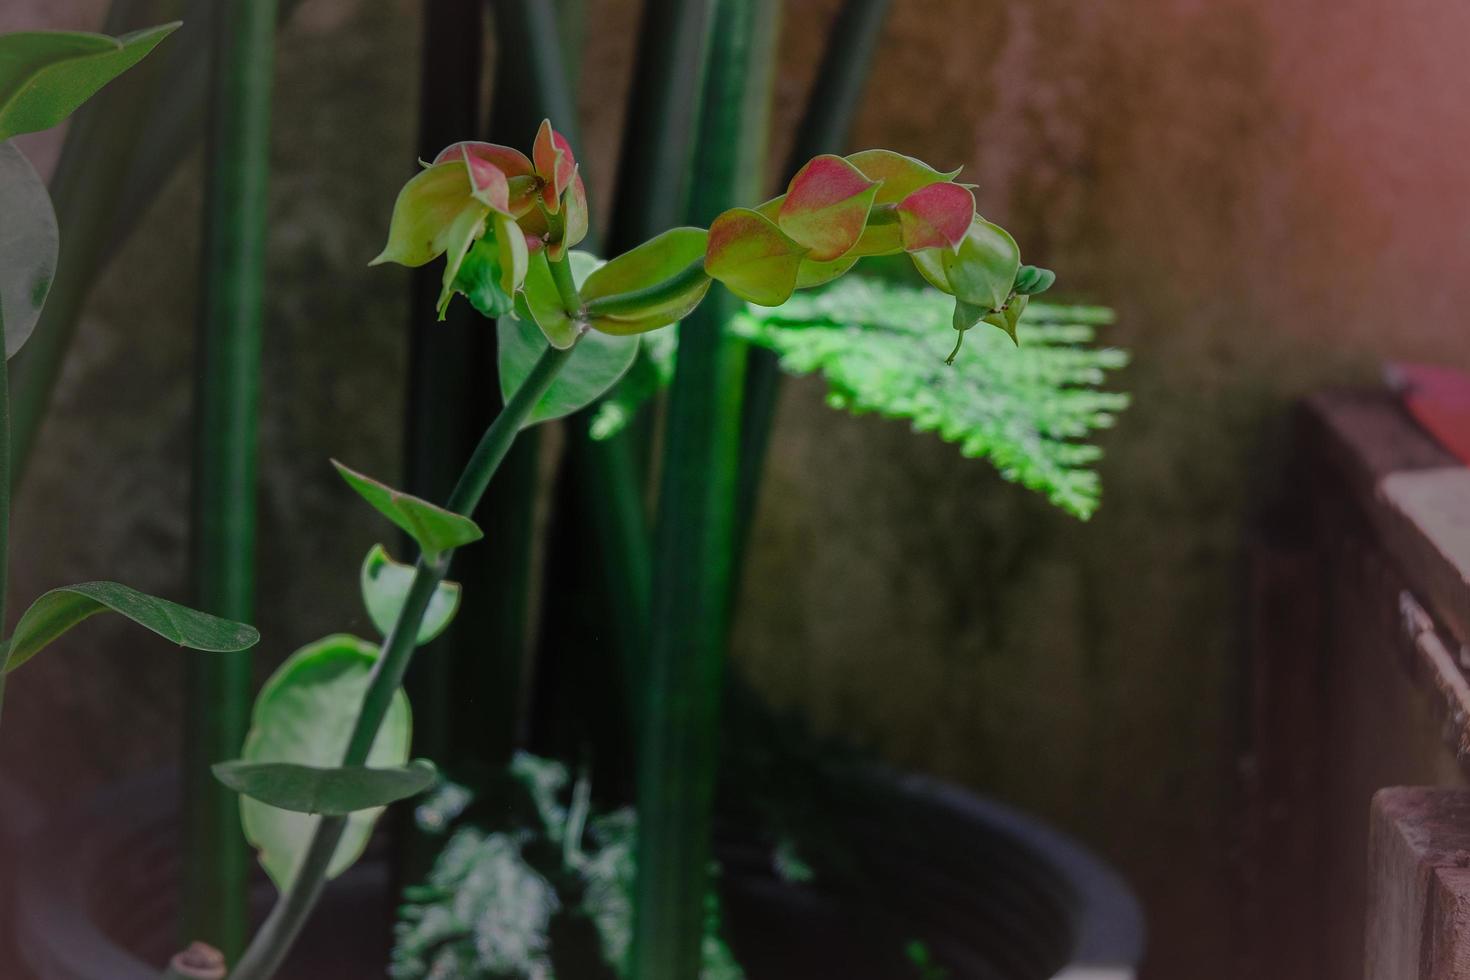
(637, 300)
(566, 287)
(269, 947)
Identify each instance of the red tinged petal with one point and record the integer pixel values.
(555, 164)
(826, 206)
(936, 216)
(488, 184)
(899, 174)
(512, 162)
(573, 219)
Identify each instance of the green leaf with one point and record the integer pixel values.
(46, 75)
(28, 243)
(599, 360)
(435, 529)
(540, 303)
(754, 258)
(331, 792)
(596, 364)
(385, 585)
(650, 264)
(304, 715)
(1030, 411)
(479, 280)
(1032, 280)
(984, 267)
(60, 609)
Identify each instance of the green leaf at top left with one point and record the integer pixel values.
(435, 529)
(60, 609)
(46, 75)
(28, 243)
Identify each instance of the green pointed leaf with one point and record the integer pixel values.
(46, 75)
(984, 268)
(304, 715)
(385, 585)
(60, 609)
(425, 214)
(900, 175)
(479, 280)
(540, 303)
(652, 264)
(28, 243)
(331, 792)
(1031, 411)
(826, 206)
(434, 528)
(753, 257)
(596, 364)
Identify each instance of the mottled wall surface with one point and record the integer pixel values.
(1271, 194)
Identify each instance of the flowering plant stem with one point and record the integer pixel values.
(269, 947)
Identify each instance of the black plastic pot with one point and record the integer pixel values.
(991, 894)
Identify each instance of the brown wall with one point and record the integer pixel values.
(1271, 194)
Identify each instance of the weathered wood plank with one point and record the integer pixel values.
(1419, 885)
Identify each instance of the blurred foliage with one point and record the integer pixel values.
(1028, 409)
(534, 890)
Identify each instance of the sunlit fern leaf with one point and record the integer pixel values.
(1029, 410)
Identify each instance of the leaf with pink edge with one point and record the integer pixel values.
(573, 219)
(900, 175)
(826, 206)
(753, 257)
(936, 216)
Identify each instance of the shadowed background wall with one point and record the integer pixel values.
(1272, 195)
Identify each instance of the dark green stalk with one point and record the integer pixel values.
(825, 125)
(693, 549)
(227, 395)
(269, 947)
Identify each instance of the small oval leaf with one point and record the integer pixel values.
(385, 584)
(28, 243)
(424, 214)
(334, 792)
(434, 528)
(46, 75)
(304, 715)
(826, 206)
(753, 257)
(60, 609)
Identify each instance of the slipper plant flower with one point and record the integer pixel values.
(505, 223)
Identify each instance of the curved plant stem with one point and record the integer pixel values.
(269, 947)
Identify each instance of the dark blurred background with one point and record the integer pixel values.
(1273, 197)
